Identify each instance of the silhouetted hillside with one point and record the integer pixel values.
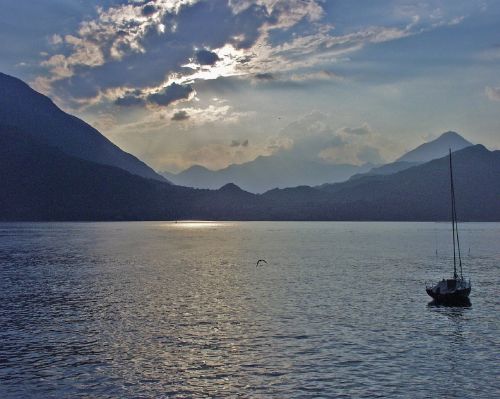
(32, 113)
(422, 192)
(40, 182)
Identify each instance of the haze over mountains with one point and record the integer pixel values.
(267, 172)
(45, 177)
(280, 170)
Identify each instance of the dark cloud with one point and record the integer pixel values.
(201, 25)
(264, 76)
(180, 116)
(238, 143)
(166, 96)
(359, 131)
(148, 10)
(170, 94)
(205, 57)
(335, 141)
(245, 59)
(129, 101)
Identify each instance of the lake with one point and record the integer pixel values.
(164, 309)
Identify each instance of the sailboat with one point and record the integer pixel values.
(454, 290)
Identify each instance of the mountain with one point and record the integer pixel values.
(426, 152)
(436, 148)
(280, 170)
(40, 182)
(32, 113)
(387, 169)
(265, 173)
(417, 193)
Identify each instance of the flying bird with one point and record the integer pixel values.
(260, 260)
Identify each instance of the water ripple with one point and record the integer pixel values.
(155, 310)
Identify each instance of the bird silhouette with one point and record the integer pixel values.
(259, 261)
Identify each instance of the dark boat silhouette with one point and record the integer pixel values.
(456, 290)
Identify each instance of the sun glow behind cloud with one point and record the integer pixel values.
(156, 67)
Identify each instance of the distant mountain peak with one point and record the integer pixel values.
(436, 148)
(266, 172)
(197, 167)
(230, 187)
(450, 134)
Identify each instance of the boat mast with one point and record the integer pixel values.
(452, 189)
(456, 228)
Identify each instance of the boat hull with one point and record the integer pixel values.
(457, 297)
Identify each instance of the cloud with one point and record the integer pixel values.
(163, 97)
(149, 45)
(289, 79)
(315, 75)
(307, 136)
(205, 57)
(55, 39)
(104, 122)
(214, 156)
(490, 55)
(493, 93)
(369, 154)
(359, 130)
(279, 144)
(264, 76)
(180, 116)
(121, 47)
(148, 10)
(129, 100)
(172, 144)
(312, 137)
(124, 47)
(284, 13)
(151, 54)
(217, 114)
(171, 94)
(238, 143)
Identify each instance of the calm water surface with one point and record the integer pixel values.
(154, 309)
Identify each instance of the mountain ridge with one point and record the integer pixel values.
(31, 112)
(265, 173)
(421, 192)
(423, 153)
(43, 183)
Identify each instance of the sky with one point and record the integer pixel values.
(185, 82)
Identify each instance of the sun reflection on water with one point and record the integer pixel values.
(197, 224)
